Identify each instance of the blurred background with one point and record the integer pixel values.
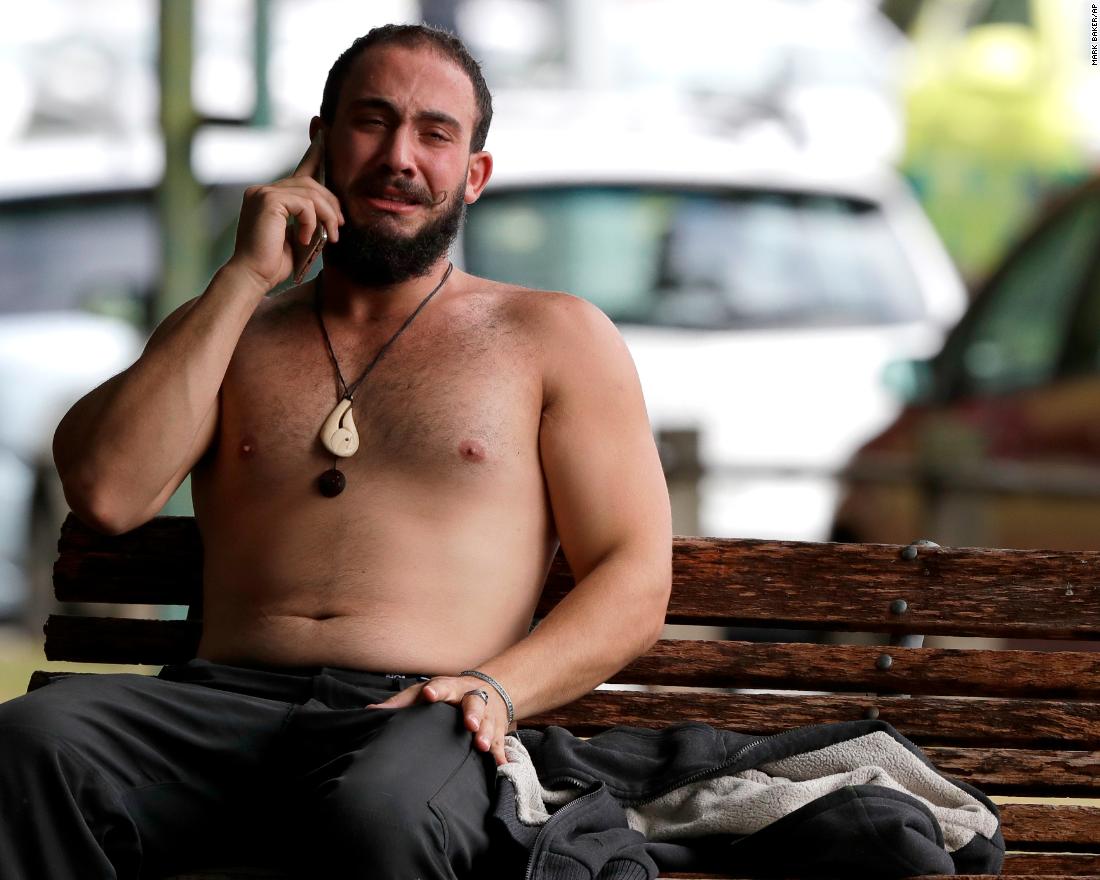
(854, 246)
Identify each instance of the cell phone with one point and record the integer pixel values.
(306, 255)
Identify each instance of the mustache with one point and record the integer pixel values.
(420, 195)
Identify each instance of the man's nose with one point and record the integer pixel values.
(399, 156)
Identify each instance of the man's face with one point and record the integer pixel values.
(398, 158)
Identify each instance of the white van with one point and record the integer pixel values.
(760, 291)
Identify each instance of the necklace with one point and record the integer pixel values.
(338, 434)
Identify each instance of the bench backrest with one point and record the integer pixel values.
(1020, 721)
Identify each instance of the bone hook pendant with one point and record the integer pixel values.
(338, 434)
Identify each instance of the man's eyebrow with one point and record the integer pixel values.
(388, 106)
(442, 118)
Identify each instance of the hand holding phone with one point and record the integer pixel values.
(313, 164)
(275, 216)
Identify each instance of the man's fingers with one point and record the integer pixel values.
(401, 699)
(488, 730)
(445, 688)
(311, 161)
(308, 205)
(489, 739)
(473, 709)
(319, 194)
(308, 211)
(486, 735)
(436, 690)
(458, 691)
(308, 172)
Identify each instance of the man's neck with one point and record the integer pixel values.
(346, 301)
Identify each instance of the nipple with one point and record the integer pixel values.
(471, 450)
(247, 448)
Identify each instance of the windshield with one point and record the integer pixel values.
(700, 259)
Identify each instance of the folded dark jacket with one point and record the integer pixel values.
(834, 800)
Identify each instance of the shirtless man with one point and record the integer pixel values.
(330, 701)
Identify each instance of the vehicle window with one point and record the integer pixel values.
(1016, 338)
(70, 252)
(698, 259)
(999, 12)
(1082, 354)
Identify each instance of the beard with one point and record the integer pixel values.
(374, 257)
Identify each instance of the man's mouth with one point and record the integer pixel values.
(393, 201)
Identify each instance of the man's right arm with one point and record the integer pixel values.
(125, 447)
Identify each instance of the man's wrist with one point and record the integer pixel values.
(244, 279)
(495, 685)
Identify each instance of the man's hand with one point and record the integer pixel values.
(263, 232)
(487, 721)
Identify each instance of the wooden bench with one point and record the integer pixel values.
(1022, 722)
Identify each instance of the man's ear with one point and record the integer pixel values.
(314, 124)
(477, 175)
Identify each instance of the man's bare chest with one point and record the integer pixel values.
(456, 399)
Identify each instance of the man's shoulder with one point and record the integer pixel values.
(551, 311)
(577, 345)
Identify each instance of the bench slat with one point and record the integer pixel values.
(120, 640)
(158, 563)
(1026, 826)
(1048, 773)
(927, 720)
(700, 663)
(961, 591)
(689, 662)
(1037, 865)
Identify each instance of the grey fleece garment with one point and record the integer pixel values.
(747, 801)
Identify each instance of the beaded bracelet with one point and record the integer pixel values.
(496, 685)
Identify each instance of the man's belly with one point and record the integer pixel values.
(409, 645)
(401, 591)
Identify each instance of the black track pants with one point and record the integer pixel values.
(129, 776)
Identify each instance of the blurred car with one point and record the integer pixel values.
(760, 291)
(47, 361)
(81, 257)
(61, 259)
(999, 443)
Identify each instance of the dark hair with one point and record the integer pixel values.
(413, 36)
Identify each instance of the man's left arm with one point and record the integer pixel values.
(611, 509)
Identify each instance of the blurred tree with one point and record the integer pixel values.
(901, 12)
(185, 244)
(180, 197)
(994, 118)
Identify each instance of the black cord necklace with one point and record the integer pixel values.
(338, 434)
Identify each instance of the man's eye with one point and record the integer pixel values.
(437, 136)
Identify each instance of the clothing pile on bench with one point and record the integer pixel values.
(846, 799)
